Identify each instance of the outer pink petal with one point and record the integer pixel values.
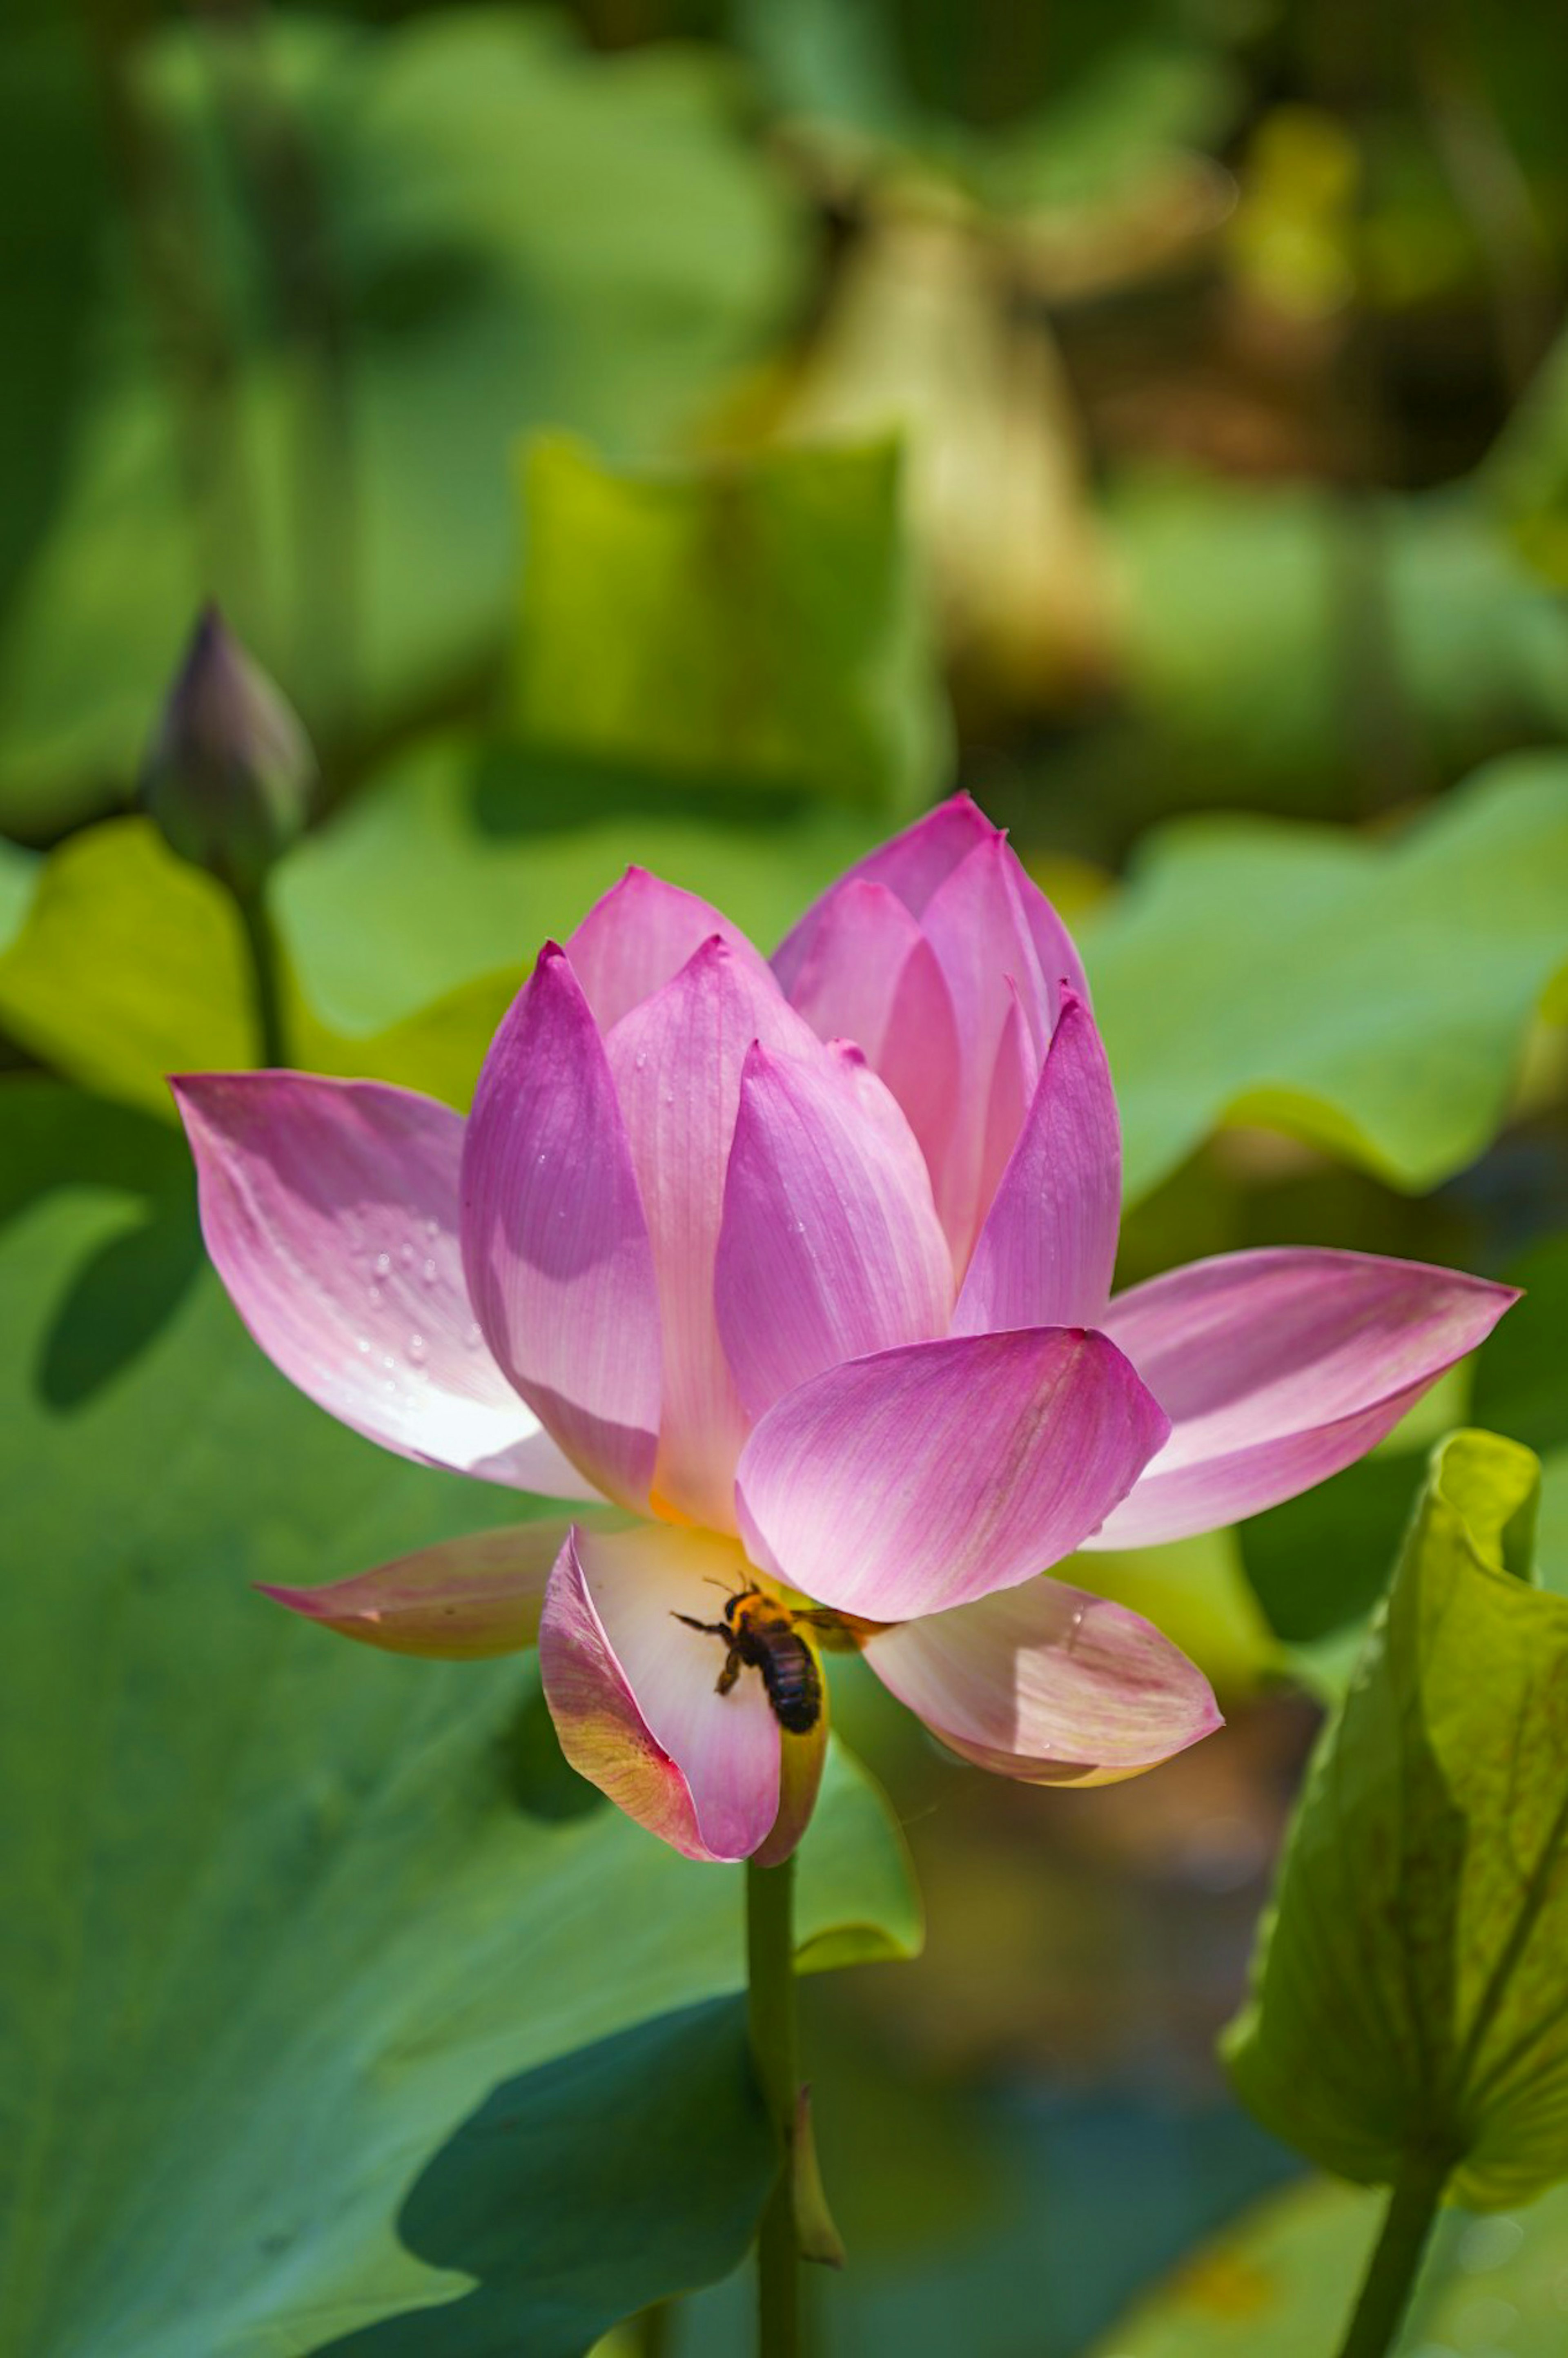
(911, 866)
(1047, 1683)
(923, 1478)
(555, 1241)
(1277, 1369)
(869, 975)
(676, 1060)
(1046, 1252)
(830, 1246)
(632, 1690)
(331, 1212)
(461, 1601)
(638, 937)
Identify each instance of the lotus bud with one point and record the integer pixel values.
(232, 775)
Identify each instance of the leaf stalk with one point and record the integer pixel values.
(1396, 2260)
(771, 2011)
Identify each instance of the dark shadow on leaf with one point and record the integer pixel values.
(585, 2190)
(125, 1291)
(541, 1779)
(523, 791)
(1321, 1561)
(118, 1301)
(64, 1138)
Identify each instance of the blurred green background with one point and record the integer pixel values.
(704, 432)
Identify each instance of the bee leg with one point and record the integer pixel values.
(709, 1629)
(728, 1674)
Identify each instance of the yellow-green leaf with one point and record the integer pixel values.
(1408, 1995)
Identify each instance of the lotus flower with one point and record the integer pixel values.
(803, 1274)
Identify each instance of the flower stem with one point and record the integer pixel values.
(770, 1959)
(266, 974)
(1395, 2262)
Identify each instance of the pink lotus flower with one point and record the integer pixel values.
(830, 1322)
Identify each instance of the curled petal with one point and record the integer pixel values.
(555, 1241)
(830, 1247)
(1047, 1683)
(920, 1478)
(869, 975)
(1279, 1367)
(1045, 1254)
(460, 1601)
(638, 937)
(677, 1061)
(329, 1209)
(631, 1689)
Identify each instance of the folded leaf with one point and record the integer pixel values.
(1408, 1996)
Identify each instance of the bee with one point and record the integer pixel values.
(761, 1635)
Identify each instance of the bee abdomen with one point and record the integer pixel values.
(793, 1683)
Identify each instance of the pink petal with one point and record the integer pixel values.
(1047, 1683)
(1056, 953)
(923, 1478)
(460, 1601)
(978, 924)
(1045, 1255)
(911, 866)
(869, 975)
(554, 1240)
(677, 1061)
(331, 1212)
(1015, 1076)
(1277, 1369)
(632, 1690)
(638, 937)
(830, 1246)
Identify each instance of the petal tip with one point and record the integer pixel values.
(294, 1600)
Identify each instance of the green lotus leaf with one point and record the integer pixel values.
(754, 621)
(1407, 2002)
(335, 2012)
(1276, 2284)
(1372, 998)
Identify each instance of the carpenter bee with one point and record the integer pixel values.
(761, 1635)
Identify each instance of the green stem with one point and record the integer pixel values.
(266, 974)
(770, 1959)
(1396, 2262)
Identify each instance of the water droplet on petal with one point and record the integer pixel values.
(383, 1264)
(375, 1297)
(416, 1347)
(430, 1272)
